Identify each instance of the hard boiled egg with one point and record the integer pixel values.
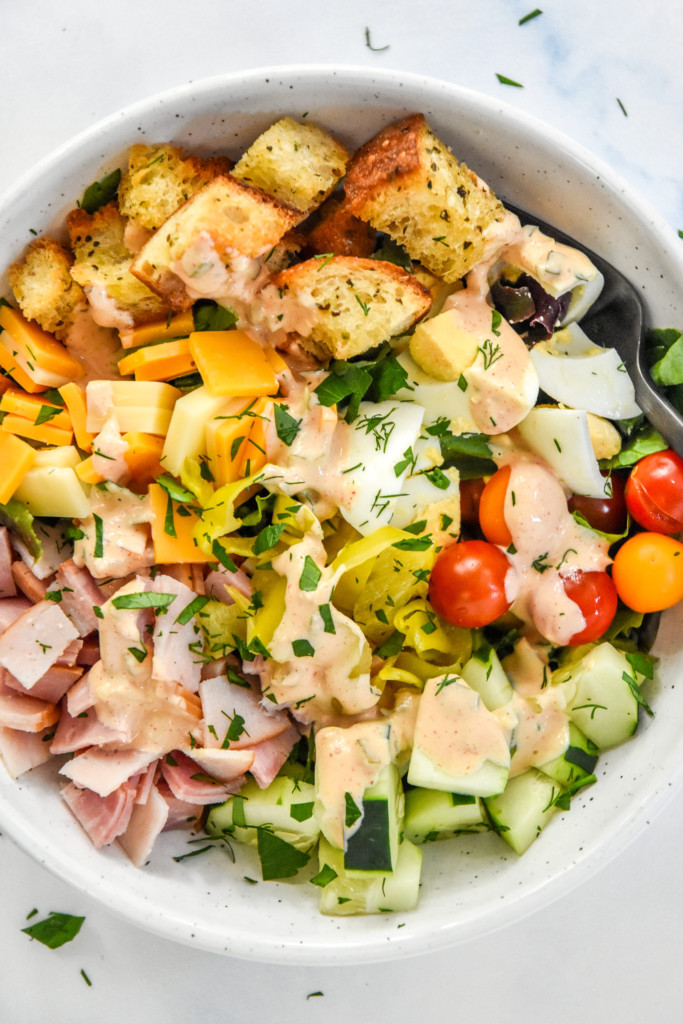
(562, 438)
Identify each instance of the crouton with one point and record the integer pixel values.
(102, 268)
(340, 232)
(161, 178)
(358, 303)
(407, 183)
(44, 288)
(224, 219)
(282, 254)
(299, 164)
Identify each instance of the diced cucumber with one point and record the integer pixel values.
(350, 893)
(604, 706)
(373, 847)
(487, 780)
(486, 675)
(524, 809)
(578, 760)
(433, 814)
(286, 805)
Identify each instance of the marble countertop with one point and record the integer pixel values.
(609, 76)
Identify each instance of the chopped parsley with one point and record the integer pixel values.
(55, 930)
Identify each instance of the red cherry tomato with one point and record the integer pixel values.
(467, 584)
(470, 495)
(654, 492)
(492, 509)
(648, 572)
(596, 596)
(605, 514)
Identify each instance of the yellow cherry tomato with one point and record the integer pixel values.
(648, 572)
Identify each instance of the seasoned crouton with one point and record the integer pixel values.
(299, 164)
(282, 254)
(408, 183)
(161, 178)
(102, 267)
(44, 288)
(357, 303)
(223, 220)
(340, 232)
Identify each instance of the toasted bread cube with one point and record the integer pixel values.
(358, 303)
(339, 231)
(161, 178)
(299, 164)
(223, 218)
(406, 182)
(43, 286)
(102, 268)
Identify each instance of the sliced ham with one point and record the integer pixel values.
(7, 585)
(69, 655)
(124, 628)
(270, 756)
(103, 818)
(104, 771)
(145, 783)
(79, 698)
(181, 813)
(222, 701)
(81, 731)
(173, 660)
(80, 596)
(34, 642)
(218, 581)
(28, 714)
(90, 651)
(222, 765)
(21, 751)
(52, 686)
(10, 610)
(28, 584)
(53, 545)
(146, 822)
(189, 783)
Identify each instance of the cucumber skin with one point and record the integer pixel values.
(374, 893)
(520, 814)
(433, 814)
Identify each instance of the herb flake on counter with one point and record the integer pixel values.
(86, 979)
(56, 930)
(368, 43)
(504, 80)
(311, 995)
(622, 107)
(528, 17)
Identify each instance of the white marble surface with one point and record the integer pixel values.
(609, 950)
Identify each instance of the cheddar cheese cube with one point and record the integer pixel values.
(177, 327)
(16, 458)
(232, 363)
(226, 436)
(167, 522)
(159, 362)
(143, 456)
(42, 357)
(74, 399)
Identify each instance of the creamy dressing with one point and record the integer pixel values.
(95, 347)
(336, 678)
(108, 452)
(348, 760)
(548, 542)
(125, 536)
(558, 268)
(456, 730)
(104, 310)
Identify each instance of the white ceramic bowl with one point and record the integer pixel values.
(473, 885)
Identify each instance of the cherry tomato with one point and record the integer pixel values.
(596, 596)
(467, 584)
(470, 494)
(654, 492)
(648, 572)
(492, 509)
(605, 514)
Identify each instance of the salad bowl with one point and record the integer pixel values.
(474, 884)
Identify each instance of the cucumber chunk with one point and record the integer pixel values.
(604, 706)
(349, 893)
(373, 846)
(522, 812)
(578, 760)
(433, 814)
(486, 675)
(487, 780)
(286, 805)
